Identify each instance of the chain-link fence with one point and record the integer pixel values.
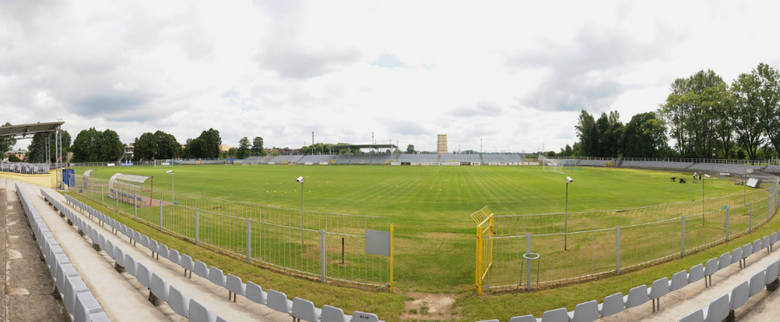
(326, 246)
(531, 251)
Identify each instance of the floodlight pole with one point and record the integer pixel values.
(566, 218)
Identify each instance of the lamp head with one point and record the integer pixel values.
(300, 179)
(706, 175)
(569, 179)
(169, 172)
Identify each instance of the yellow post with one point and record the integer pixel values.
(478, 277)
(391, 257)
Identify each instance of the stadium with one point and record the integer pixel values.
(409, 161)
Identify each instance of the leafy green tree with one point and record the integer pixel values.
(645, 136)
(37, 148)
(257, 146)
(6, 143)
(86, 146)
(410, 148)
(768, 102)
(145, 147)
(204, 146)
(588, 134)
(747, 119)
(111, 147)
(243, 148)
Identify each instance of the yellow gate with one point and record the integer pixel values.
(483, 218)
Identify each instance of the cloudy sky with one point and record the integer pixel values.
(513, 73)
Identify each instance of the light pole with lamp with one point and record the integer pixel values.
(566, 215)
(300, 180)
(173, 191)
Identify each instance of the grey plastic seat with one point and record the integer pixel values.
(679, 280)
(612, 304)
(747, 250)
(757, 282)
(772, 240)
(522, 318)
(199, 313)
(216, 276)
(278, 301)
(119, 257)
(659, 288)
(153, 246)
(636, 296)
(334, 314)
(739, 296)
(130, 265)
(186, 263)
(584, 312)
(305, 310)
(143, 276)
(235, 286)
(178, 302)
(86, 304)
(98, 317)
(765, 243)
(162, 250)
(159, 287)
(173, 256)
(371, 317)
(200, 269)
(711, 267)
(73, 286)
(772, 272)
(718, 309)
(724, 261)
(697, 316)
(64, 271)
(255, 293)
(696, 273)
(736, 256)
(758, 245)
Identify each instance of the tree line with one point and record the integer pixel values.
(92, 145)
(703, 117)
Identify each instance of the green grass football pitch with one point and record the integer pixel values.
(429, 206)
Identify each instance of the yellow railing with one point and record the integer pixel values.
(484, 221)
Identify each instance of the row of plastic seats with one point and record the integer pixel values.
(79, 302)
(615, 303)
(298, 308)
(725, 305)
(179, 303)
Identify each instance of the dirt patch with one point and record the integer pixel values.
(429, 307)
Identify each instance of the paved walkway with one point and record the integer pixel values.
(26, 280)
(678, 304)
(202, 290)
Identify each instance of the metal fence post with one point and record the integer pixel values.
(682, 236)
(197, 225)
(135, 207)
(248, 240)
(727, 223)
(322, 256)
(102, 199)
(527, 262)
(161, 216)
(750, 218)
(617, 250)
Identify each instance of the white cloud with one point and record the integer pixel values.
(512, 73)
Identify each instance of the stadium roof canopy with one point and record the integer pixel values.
(21, 131)
(373, 146)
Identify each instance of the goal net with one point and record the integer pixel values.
(551, 165)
